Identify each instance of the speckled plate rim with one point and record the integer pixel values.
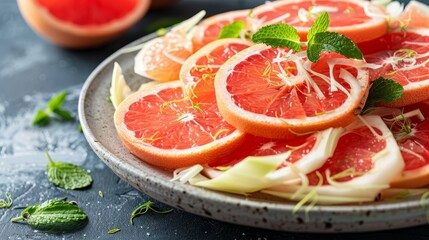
(240, 209)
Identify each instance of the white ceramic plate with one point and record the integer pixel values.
(96, 117)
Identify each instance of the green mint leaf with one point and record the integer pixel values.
(232, 30)
(63, 114)
(79, 128)
(41, 118)
(383, 90)
(6, 203)
(278, 35)
(113, 231)
(54, 216)
(67, 175)
(57, 101)
(320, 25)
(161, 32)
(331, 42)
(144, 208)
(100, 193)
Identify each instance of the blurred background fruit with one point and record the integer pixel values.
(82, 23)
(156, 4)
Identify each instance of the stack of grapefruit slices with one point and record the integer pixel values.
(241, 117)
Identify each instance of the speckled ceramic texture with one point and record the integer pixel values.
(96, 116)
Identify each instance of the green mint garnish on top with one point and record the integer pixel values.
(319, 40)
(383, 90)
(232, 30)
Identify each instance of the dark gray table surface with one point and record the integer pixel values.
(31, 72)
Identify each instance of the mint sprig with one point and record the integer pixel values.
(54, 216)
(383, 90)
(144, 208)
(319, 40)
(320, 25)
(54, 108)
(332, 42)
(232, 30)
(278, 35)
(67, 175)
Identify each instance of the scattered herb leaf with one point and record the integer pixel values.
(67, 175)
(100, 193)
(161, 32)
(43, 117)
(320, 25)
(63, 114)
(383, 90)
(113, 231)
(54, 216)
(144, 208)
(332, 42)
(58, 101)
(278, 35)
(79, 128)
(6, 203)
(232, 30)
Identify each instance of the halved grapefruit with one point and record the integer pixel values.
(80, 24)
(403, 57)
(163, 128)
(276, 93)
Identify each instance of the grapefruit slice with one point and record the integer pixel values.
(358, 20)
(161, 58)
(365, 160)
(276, 93)
(96, 21)
(163, 128)
(411, 130)
(209, 29)
(416, 15)
(403, 57)
(199, 70)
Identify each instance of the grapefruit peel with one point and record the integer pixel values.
(119, 89)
